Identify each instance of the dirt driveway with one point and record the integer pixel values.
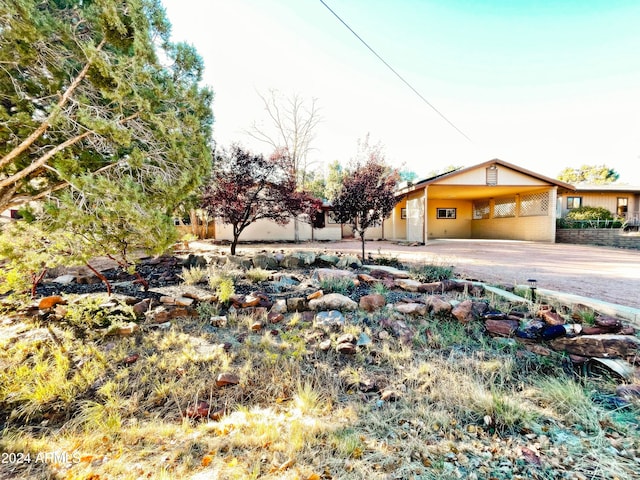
(602, 273)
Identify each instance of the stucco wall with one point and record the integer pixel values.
(460, 227)
(269, 231)
(536, 229)
(608, 200)
(478, 176)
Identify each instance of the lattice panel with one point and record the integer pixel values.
(504, 207)
(481, 209)
(534, 204)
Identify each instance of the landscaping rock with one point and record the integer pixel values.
(290, 261)
(399, 328)
(612, 324)
(464, 311)
(165, 313)
(275, 317)
(128, 329)
(551, 318)
(64, 279)
(225, 379)
(198, 410)
(408, 284)
(346, 348)
(333, 301)
(315, 295)
(306, 258)
(296, 304)
(239, 262)
(381, 271)
(327, 274)
(326, 259)
(411, 308)
(142, 307)
(349, 261)
(504, 328)
(218, 320)
(325, 345)
(438, 306)
(373, 302)
(363, 339)
(50, 302)
(629, 391)
(368, 279)
(279, 306)
(346, 338)
(265, 261)
(608, 345)
(531, 329)
(329, 319)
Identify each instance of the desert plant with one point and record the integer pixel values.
(257, 275)
(225, 290)
(193, 275)
(431, 273)
(337, 285)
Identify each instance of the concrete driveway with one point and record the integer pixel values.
(608, 274)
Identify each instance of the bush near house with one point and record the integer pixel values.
(589, 217)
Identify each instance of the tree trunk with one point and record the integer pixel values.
(362, 240)
(234, 244)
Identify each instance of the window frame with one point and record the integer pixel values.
(571, 201)
(446, 213)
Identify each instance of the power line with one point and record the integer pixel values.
(395, 72)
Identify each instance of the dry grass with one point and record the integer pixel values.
(466, 407)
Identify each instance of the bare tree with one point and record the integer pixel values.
(294, 122)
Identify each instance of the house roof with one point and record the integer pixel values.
(612, 187)
(562, 186)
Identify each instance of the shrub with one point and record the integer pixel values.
(257, 275)
(193, 275)
(431, 273)
(589, 213)
(225, 290)
(337, 285)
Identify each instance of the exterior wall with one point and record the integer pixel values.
(460, 227)
(608, 200)
(535, 229)
(395, 227)
(538, 228)
(269, 231)
(506, 176)
(611, 237)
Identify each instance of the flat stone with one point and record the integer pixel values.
(464, 311)
(333, 301)
(323, 274)
(346, 337)
(504, 328)
(296, 304)
(265, 261)
(605, 346)
(349, 261)
(392, 271)
(64, 279)
(346, 348)
(315, 295)
(279, 306)
(411, 308)
(551, 318)
(328, 259)
(225, 379)
(329, 319)
(408, 284)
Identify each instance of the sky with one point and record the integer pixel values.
(543, 84)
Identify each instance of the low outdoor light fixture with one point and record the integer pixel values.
(532, 285)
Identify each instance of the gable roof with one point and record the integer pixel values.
(562, 186)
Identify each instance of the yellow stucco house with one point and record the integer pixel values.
(492, 200)
(621, 200)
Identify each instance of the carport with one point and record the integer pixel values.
(492, 200)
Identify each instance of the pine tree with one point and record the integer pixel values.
(96, 88)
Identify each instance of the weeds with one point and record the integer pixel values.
(337, 285)
(193, 275)
(257, 275)
(430, 273)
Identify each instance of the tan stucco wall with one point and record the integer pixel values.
(506, 176)
(460, 227)
(608, 200)
(395, 227)
(536, 229)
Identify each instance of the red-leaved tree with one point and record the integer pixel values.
(246, 187)
(367, 194)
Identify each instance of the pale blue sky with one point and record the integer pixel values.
(544, 84)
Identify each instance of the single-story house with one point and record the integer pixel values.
(492, 200)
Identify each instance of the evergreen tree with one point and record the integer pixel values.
(96, 88)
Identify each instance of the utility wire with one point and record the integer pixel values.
(396, 73)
